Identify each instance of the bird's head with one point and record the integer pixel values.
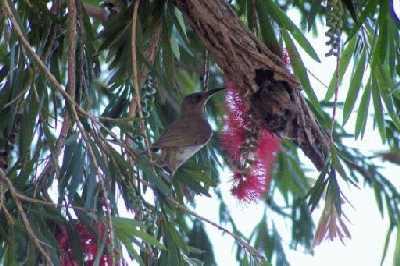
(195, 102)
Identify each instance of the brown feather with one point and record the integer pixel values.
(184, 132)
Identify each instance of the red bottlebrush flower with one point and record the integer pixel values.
(234, 134)
(248, 187)
(253, 185)
(232, 140)
(88, 243)
(267, 148)
(238, 127)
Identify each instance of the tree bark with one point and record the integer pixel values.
(273, 93)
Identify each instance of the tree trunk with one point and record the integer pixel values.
(271, 90)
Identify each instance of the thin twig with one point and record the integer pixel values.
(242, 242)
(19, 95)
(3, 206)
(254, 15)
(50, 203)
(206, 71)
(71, 79)
(135, 102)
(25, 220)
(52, 39)
(72, 33)
(317, 79)
(336, 89)
(136, 105)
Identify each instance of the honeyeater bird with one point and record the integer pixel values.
(186, 135)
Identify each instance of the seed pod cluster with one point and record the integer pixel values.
(334, 22)
(148, 93)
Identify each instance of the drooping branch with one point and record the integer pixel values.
(273, 92)
(25, 220)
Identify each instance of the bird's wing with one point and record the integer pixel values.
(184, 132)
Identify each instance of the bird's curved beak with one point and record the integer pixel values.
(207, 95)
(212, 91)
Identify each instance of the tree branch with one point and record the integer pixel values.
(272, 92)
(71, 48)
(24, 217)
(135, 105)
(240, 240)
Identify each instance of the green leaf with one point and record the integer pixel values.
(355, 86)
(266, 28)
(265, 263)
(318, 188)
(93, 2)
(284, 21)
(299, 68)
(168, 57)
(369, 10)
(77, 168)
(363, 111)
(71, 151)
(251, 20)
(175, 45)
(379, 112)
(181, 22)
(385, 84)
(337, 164)
(378, 198)
(396, 257)
(199, 243)
(174, 236)
(132, 252)
(27, 126)
(385, 247)
(9, 257)
(129, 227)
(343, 64)
(381, 45)
(149, 173)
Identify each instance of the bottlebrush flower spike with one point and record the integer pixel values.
(234, 134)
(252, 180)
(267, 148)
(88, 242)
(253, 185)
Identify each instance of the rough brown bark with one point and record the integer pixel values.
(274, 93)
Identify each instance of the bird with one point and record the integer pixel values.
(186, 135)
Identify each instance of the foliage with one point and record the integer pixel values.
(74, 142)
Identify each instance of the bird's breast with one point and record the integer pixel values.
(185, 153)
